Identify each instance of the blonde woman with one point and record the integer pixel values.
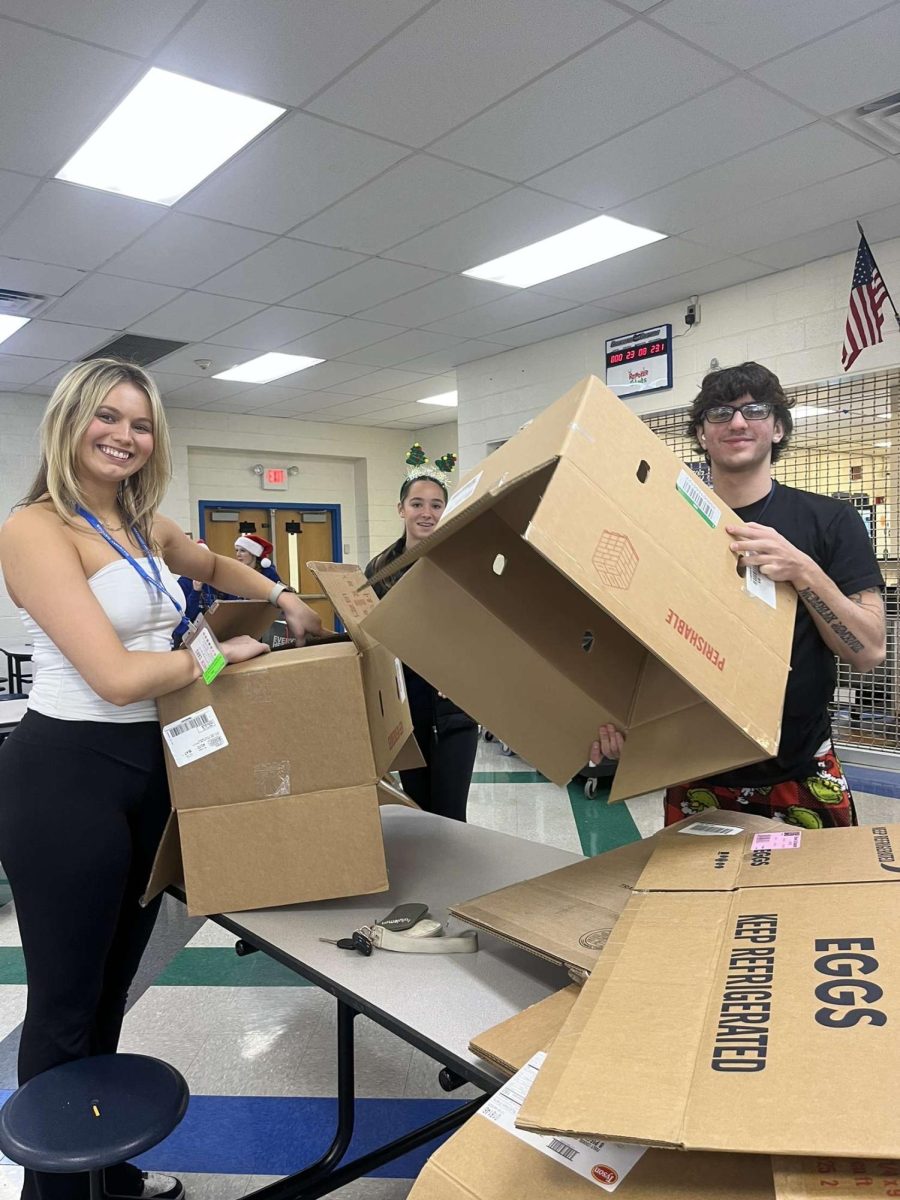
(92, 567)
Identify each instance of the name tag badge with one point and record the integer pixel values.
(204, 645)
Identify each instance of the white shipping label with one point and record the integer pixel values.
(401, 680)
(759, 585)
(194, 736)
(689, 487)
(603, 1163)
(706, 830)
(205, 648)
(461, 496)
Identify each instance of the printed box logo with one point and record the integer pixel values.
(615, 559)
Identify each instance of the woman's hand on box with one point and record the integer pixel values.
(301, 620)
(609, 744)
(243, 648)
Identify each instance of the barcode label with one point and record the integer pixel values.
(604, 1164)
(697, 498)
(195, 736)
(704, 829)
(558, 1147)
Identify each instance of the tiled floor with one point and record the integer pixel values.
(258, 1047)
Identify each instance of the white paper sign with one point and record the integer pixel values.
(759, 585)
(463, 494)
(705, 829)
(193, 737)
(602, 1163)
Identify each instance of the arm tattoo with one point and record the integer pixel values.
(817, 605)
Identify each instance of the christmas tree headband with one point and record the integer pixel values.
(417, 466)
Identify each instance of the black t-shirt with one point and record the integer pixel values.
(834, 536)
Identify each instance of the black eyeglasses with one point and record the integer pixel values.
(721, 414)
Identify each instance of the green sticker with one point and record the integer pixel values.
(214, 668)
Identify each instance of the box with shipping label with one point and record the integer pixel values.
(274, 772)
(582, 575)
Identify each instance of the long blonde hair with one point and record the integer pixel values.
(70, 411)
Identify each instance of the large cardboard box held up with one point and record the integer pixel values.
(748, 1000)
(582, 574)
(276, 796)
(566, 916)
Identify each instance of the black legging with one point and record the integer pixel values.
(82, 808)
(448, 739)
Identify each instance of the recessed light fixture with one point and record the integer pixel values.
(9, 325)
(267, 367)
(444, 400)
(582, 246)
(168, 134)
(803, 411)
(885, 445)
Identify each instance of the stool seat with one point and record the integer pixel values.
(51, 1122)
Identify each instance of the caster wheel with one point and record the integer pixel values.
(590, 788)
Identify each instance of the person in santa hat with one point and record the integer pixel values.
(254, 551)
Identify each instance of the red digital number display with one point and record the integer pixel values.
(649, 350)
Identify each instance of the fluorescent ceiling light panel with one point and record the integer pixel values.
(267, 367)
(582, 246)
(9, 325)
(445, 400)
(167, 135)
(804, 411)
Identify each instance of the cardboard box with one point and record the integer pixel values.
(276, 801)
(566, 916)
(511, 1044)
(580, 575)
(839, 1178)
(747, 1000)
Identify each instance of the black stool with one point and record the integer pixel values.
(92, 1113)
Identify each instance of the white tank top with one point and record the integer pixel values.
(144, 620)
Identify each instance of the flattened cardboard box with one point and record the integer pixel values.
(581, 574)
(484, 1162)
(566, 916)
(288, 809)
(747, 995)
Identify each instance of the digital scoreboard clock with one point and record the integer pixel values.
(640, 362)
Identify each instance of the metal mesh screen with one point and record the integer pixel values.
(845, 443)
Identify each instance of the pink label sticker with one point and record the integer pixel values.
(776, 841)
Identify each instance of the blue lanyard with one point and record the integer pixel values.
(155, 580)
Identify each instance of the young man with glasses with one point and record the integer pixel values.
(741, 421)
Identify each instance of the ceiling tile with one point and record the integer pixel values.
(445, 360)
(183, 251)
(644, 265)
(201, 392)
(183, 362)
(583, 317)
(412, 344)
(305, 164)
(406, 200)
(194, 316)
(16, 370)
(284, 52)
(382, 381)
(119, 24)
(168, 382)
(467, 54)
(410, 393)
(73, 226)
(254, 402)
(508, 222)
(280, 270)
(803, 157)
(437, 300)
(272, 327)
(14, 191)
(108, 300)
(846, 68)
(807, 247)
(360, 407)
(53, 339)
(44, 280)
(501, 314)
(750, 33)
(363, 286)
(59, 91)
(343, 337)
(582, 103)
(725, 121)
(718, 275)
(332, 375)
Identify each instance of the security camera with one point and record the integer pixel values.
(203, 363)
(692, 313)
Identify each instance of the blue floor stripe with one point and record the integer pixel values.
(873, 780)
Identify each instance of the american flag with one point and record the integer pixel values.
(867, 297)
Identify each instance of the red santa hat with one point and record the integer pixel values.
(257, 546)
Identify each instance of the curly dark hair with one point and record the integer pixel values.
(729, 384)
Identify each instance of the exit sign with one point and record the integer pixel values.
(274, 479)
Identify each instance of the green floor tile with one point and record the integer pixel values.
(509, 777)
(219, 966)
(12, 964)
(601, 826)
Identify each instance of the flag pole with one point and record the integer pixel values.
(872, 256)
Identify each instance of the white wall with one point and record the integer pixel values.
(358, 467)
(792, 322)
